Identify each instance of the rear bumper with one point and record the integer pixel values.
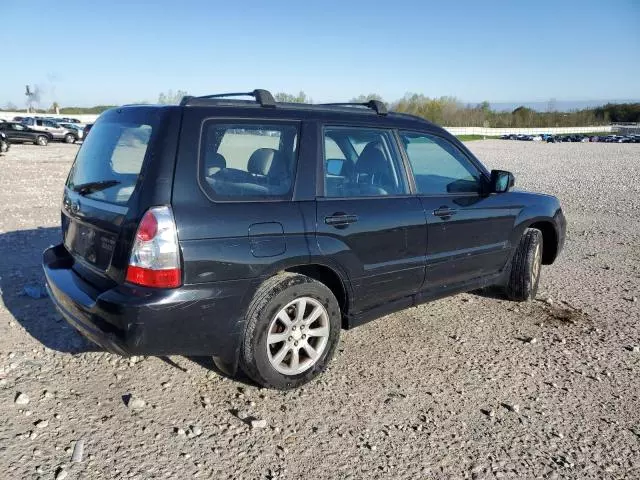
(128, 320)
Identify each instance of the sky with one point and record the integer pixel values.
(93, 52)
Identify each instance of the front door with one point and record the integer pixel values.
(468, 230)
(366, 220)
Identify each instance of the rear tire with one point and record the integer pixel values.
(526, 264)
(42, 140)
(68, 138)
(291, 333)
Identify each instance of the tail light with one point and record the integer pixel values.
(155, 256)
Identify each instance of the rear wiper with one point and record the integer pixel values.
(90, 187)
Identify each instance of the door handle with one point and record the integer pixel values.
(340, 220)
(444, 212)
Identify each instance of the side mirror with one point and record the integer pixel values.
(501, 181)
(334, 166)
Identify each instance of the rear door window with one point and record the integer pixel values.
(110, 160)
(248, 160)
(368, 164)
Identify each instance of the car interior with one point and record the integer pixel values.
(266, 172)
(371, 172)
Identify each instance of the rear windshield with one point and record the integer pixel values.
(109, 162)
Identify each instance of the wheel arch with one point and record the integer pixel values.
(328, 277)
(549, 240)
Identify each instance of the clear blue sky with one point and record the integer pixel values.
(116, 51)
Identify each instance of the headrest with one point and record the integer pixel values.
(372, 160)
(266, 161)
(214, 162)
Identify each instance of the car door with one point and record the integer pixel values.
(18, 133)
(468, 230)
(54, 129)
(366, 220)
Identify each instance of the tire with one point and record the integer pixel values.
(279, 298)
(42, 140)
(69, 138)
(4, 147)
(524, 275)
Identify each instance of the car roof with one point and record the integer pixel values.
(342, 114)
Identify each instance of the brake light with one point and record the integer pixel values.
(155, 256)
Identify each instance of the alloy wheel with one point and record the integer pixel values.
(297, 336)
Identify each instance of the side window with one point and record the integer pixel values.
(371, 169)
(248, 161)
(438, 166)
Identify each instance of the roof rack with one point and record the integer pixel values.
(379, 107)
(263, 97)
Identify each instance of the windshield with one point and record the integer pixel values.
(111, 157)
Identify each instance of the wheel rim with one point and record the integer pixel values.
(537, 264)
(41, 141)
(69, 139)
(298, 336)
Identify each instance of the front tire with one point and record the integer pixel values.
(42, 140)
(291, 333)
(526, 265)
(4, 146)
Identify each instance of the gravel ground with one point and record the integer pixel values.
(457, 388)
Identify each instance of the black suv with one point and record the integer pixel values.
(18, 133)
(253, 231)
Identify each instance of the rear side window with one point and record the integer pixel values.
(248, 161)
(110, 160)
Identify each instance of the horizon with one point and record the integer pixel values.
(117, 53)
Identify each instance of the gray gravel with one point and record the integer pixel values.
(430, 392)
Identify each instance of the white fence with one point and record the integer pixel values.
(496, 132)
(488, 132)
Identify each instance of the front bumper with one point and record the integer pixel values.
(129, 320)
(561, 229)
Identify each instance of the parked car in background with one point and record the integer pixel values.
(75, 128)
(5, 144)
(86, 130)
(70, 120)
(19, 133)
(45, 125)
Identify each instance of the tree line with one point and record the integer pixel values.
(447, 111)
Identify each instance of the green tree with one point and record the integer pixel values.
(171, 97)
(289, 98)
(366, 98)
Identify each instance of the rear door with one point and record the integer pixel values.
(233, 198)
(104, 197)
(367, 221)
(54, 129)
(468, 231)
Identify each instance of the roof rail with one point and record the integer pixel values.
(263, 97)
(379, 107)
